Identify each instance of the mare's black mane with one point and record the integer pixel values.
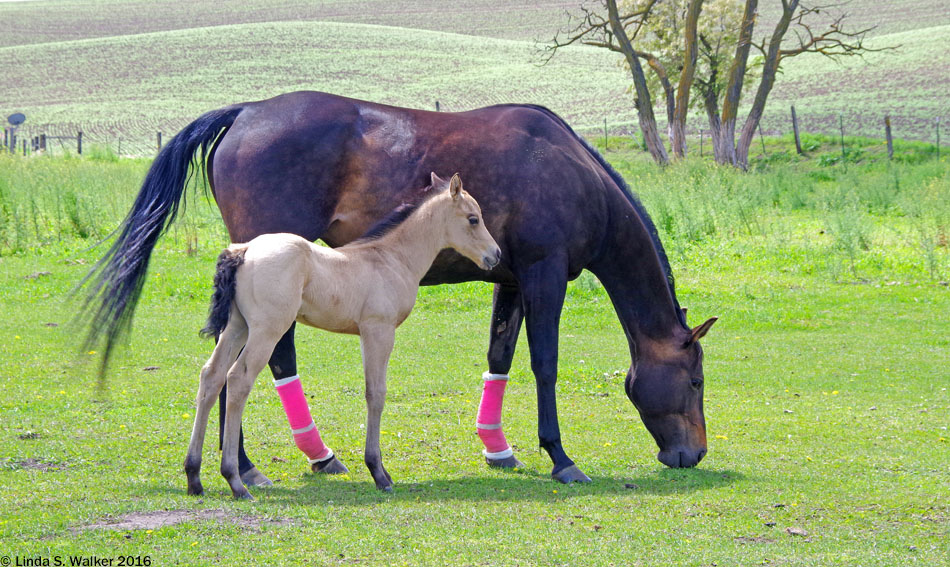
(637, 205)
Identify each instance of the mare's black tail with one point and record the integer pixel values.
(225, 285)
(117, 278)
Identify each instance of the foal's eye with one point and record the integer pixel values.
(697, 383)
(473, 220)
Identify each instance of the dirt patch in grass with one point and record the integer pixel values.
(163, 518)
(31, 464)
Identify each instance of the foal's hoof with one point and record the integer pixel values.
(329, 466)
(507, 463)
(569, 475)
(254, 477)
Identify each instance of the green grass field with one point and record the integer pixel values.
(826, 396)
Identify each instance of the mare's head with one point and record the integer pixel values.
(666, 386)
(465, 230)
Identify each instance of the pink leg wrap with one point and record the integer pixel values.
(488, 422)
(306, 435)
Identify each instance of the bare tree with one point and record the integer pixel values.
(615, 32)
(678, 33)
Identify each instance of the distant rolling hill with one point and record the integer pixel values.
(126, 69)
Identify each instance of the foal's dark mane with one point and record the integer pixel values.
(395, 218)
(634, 200)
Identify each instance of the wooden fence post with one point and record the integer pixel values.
(887, 135)
(700, 142)
(159, 139)
(79, 143)
(605, 134)
(43, 142)
(798, 141)
(437, 106)
(841, 125)
(938, 137)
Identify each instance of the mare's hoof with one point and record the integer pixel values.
(195, 490)
(569, 475)
(254, 477)
(507, 463)
(386, 488)
(243, 495)
(329, 466)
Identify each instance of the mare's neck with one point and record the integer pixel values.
(634, 276)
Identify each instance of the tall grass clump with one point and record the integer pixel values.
(81, 200)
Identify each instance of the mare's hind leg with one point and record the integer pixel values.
(376, 345)
(212, 379)
(240, 379)
(543, 286)
(507, 315)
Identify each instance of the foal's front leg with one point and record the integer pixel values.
(376, 345)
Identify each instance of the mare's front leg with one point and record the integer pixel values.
(376, 345)
(507, 315)
(543, 286)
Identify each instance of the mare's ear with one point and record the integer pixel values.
(684, 311)
(437, 181)
(700, 331)
(455, 187)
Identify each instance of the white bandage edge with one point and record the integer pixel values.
(327, 458)
(287, 380)
(488, 376)
(499, 455)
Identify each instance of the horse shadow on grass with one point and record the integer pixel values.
(357, 488)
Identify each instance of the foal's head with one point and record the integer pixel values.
(465, 230)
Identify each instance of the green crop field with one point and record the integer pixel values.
(826, 398)
(121, 71)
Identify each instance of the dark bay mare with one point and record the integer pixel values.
(327, 167)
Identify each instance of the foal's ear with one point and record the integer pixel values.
(700, 331)
(437, 181)
(455, 186)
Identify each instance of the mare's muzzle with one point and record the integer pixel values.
(681, 457)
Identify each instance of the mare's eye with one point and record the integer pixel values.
(697, 383)
(473, 220)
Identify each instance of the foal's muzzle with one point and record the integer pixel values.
(491, 260)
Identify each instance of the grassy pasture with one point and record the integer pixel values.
(826, 402)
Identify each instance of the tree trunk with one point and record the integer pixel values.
(711, 104)
(678, 122)
(769, 71)
(730, 105)
(644, 105)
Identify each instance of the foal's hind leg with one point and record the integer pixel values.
(507, 315)
(283, 364)
(240, 379)
(212, 379)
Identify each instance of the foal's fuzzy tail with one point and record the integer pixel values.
(225, 285)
